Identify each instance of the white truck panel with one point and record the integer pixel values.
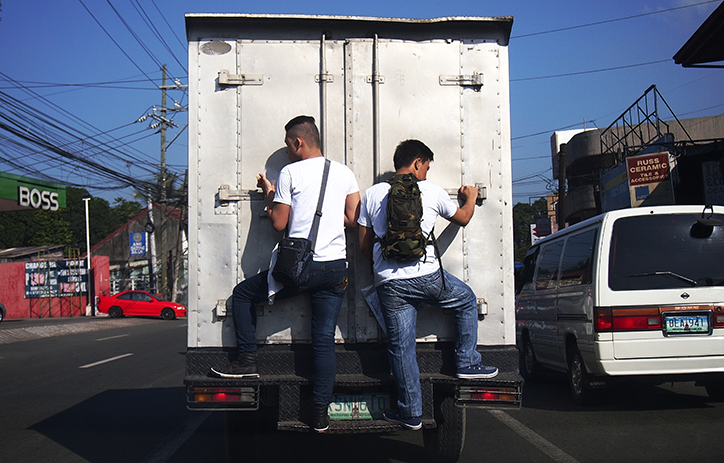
(238, 132)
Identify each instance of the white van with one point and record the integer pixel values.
(629, 293)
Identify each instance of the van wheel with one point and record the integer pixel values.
(530, 369)
(578, 379)
(445, 442)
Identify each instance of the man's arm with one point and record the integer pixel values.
(462, 216)
(366, 241)
(351, 210)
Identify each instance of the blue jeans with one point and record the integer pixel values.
(326, 286)
(400, 300)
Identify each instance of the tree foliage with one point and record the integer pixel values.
(523, 216)
(66, 226)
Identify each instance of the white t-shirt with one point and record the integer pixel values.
(373, 214)
(298, 187)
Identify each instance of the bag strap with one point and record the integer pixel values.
(320, 202)
(439, 257)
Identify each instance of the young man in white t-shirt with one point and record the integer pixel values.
(292, 205)
(403, 286)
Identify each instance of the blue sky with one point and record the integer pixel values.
(562, 76)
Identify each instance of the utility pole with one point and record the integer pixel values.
(164, 238)
(163, 123)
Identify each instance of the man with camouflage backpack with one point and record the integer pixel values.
(396, 220)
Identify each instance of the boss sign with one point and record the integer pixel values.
(47, 200)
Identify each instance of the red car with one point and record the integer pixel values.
(138, 303)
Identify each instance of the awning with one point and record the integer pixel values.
(706, 45)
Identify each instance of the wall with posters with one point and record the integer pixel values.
(67, 298)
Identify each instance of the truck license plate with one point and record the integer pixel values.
(358, 406)
(681, 324)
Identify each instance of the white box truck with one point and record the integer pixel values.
(370, 83)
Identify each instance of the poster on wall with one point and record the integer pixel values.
(56, 278)
(713, 182)
(137, 244)
(649, 179)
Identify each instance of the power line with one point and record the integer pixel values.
(114, 41)
(591, 71)
(154, 31)
(597, 23)
(183, 45)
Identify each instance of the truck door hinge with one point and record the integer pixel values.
(375, 78)
(239, 79)
(220, 308)
(474, 80)
(328, 78)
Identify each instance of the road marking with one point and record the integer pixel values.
(165, 450)
(113, 337)
(105, 361)
(526, 433)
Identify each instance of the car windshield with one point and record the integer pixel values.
(664, 252)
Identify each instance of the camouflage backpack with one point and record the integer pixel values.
(404, 239)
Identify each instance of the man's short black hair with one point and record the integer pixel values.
(409, 150)
(305, 128)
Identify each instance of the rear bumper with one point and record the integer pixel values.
(286, 377)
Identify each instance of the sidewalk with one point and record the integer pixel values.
(28, 329)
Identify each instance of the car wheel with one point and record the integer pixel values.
(168, 314)
(530, 369)
(115, 312)
(579, 378)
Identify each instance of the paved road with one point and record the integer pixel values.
(102, 390)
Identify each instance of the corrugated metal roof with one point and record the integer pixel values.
(30, 253)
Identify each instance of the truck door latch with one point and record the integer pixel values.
(474, 80)
(239, 79)
(226, 194)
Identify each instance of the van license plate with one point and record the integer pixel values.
(358, 406)
(682, 324)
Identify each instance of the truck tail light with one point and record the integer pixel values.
(216, 397)
(490, 395)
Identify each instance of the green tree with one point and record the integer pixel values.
(523, 216)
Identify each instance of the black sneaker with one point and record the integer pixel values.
(410, 423)
(320, 417)
(243, 367)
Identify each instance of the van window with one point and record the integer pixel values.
(665, 251)
(577, 259)
(526, 273)
(550, 257)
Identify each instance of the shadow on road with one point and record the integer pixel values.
(153, 425)
(551, 392)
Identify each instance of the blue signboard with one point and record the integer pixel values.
(137, 244)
